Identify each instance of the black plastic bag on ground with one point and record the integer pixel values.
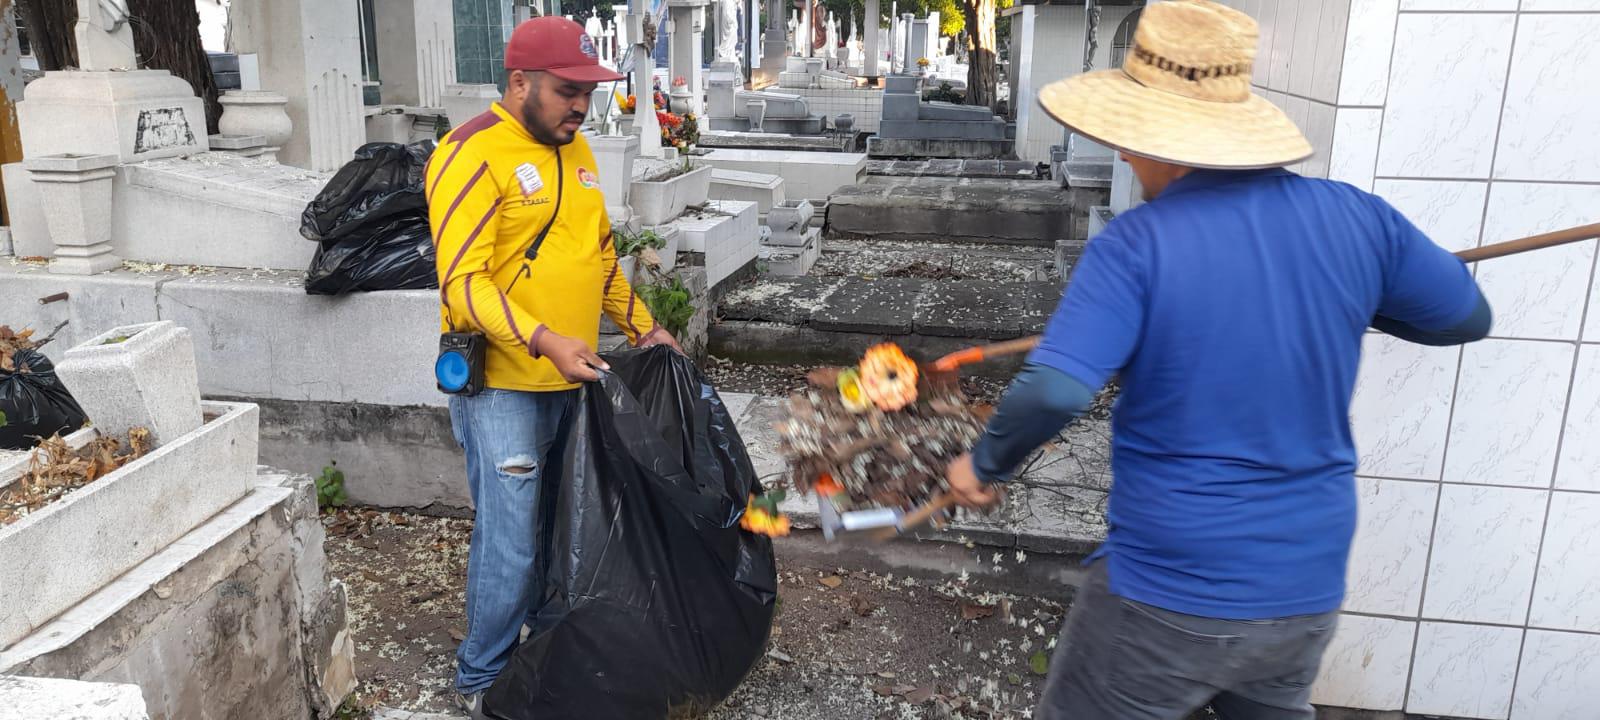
(35, 402)
(656, 603)
(370, 223)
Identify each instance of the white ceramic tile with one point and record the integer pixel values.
(1451, 213)
(1579, 467)
(1591, 326)
(1485, 551)
(1283, 43)
(1329, 59)
(1364, 78)
(1308, 22)
(1400, 412)
(1449, 5)
(1355, 146)
(1366, 664)
(1539, 294)
(1529, 6)
(1390, 552)
(1319, 130)
(1464, 670)
(1444, 95)
(1566, 595)
(1551, 105)
(1559, 678)
(1508, 409)
(1267, 19)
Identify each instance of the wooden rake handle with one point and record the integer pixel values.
(1488, 252)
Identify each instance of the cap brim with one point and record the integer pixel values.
(586, 74)
(1115, 110)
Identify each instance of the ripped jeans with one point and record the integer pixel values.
(512, 440)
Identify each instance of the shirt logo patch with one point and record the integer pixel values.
(587, 178)
(586, 46)
(528, 178)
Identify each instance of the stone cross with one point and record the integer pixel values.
(105, 40)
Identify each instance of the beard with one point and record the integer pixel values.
(553, 135)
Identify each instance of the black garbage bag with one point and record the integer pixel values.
(656, 603)
(370, 223)
(35, 402)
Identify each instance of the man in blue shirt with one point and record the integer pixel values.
(1232, 308)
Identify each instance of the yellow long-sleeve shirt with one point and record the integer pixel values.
(491, 188)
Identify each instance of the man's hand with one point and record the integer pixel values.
(572, 357)
(968, 490)
(660, 336)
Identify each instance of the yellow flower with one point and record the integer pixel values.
(761, 522)
(850, 391)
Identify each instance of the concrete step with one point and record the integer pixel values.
(936, 261)
(955, 167)
(1017, 212)
(833, 320)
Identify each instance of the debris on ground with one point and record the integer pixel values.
(846, 644)
(926, 270)
(56, 469)
(405, 577)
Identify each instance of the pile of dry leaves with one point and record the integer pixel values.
(10, 342)
(879, 434)
(56, 469)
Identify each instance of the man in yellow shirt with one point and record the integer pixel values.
(524, 257)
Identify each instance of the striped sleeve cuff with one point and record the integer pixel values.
(533, 341)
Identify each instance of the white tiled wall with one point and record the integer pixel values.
(1367, 664)
(1485, 553)
(1464, 671)
(1390, 554)
(1552, 81)
(1556, 677)
(1507, 420)
(1474, 579)
(1443, 102)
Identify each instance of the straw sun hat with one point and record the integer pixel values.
(1183, 94)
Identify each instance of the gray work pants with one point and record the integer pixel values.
(1124, 660)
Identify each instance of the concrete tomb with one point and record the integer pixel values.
(912, 127)
(793, 246)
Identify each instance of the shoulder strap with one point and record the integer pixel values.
(561, 187)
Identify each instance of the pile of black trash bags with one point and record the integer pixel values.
(370, 223)
(35, 402)
(656, 603)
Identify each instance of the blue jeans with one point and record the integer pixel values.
(512, 441)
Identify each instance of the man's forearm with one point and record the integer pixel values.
(1040, 402)
(1474, 328)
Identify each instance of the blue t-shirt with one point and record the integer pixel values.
(1232, 307)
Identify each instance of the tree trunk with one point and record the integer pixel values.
(983, 81)
(49, 27)
(166, 35)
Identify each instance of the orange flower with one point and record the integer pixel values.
(827, 486)
(888, 377)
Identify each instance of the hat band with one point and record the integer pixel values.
(1188, 72)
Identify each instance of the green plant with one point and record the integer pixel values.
(2, 418)
(945, 93)
(669, 303)
(330, 487)
(632, 243)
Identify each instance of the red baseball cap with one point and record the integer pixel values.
(557, 46)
